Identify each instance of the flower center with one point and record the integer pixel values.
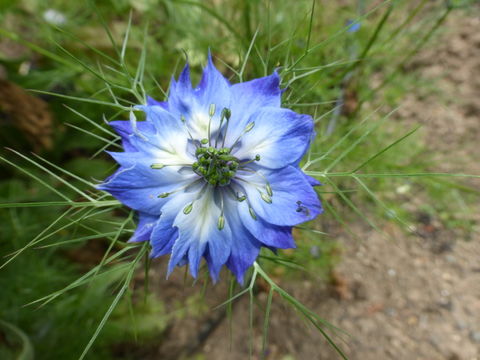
(216, 166)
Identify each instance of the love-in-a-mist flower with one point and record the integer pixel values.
(213, 172)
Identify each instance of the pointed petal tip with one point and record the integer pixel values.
(151, 101)
(240, 279)
(184, 77)
(134, 240)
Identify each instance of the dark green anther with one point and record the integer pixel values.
(226, 113)
(204, 141)
(216, 166)
(241, 198)
(227, 158)
(201, 151)
(257, 157)
(163, 195)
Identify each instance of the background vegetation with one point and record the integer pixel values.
(344, 62)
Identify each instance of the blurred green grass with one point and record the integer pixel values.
(340, 77)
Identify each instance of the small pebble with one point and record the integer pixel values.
(475, 336)
(391, 272)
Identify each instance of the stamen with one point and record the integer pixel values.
(269, 189)
(221, 219)
(166, 194)
(184, 122)
(257, 158)
(246, 130)
(252, 213)
(241, 198)
(227, 113)
(211, 112)
(158, 166)
(221, 222)
(249, 126)
(266, 198)
(188, 209)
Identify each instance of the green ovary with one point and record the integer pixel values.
(216, 166)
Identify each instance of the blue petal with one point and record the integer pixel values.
(146, 223)
(194, 104)
(213, 88)
(249, 97)
(152, 102)
(293, 201)
(245, 250)
(166, 125)
(124, 129)
(274, 236)
(279, 136)
(164, 235)
(180, 96)
(166, 142)
(197, 230)
(312, 181)
(138, 186)
(244, 247)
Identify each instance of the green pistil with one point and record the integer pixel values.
(216, 166)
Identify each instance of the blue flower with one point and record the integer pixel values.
(353, 26)
(213, 172)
